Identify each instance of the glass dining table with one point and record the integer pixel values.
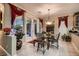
(44, 41)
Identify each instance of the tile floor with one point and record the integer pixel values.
(65, 49)
(2, 53)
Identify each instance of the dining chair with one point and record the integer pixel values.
(41, 43)
(54, 42)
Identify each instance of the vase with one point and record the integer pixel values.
(19, 44)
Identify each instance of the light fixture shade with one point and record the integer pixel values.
(48, 23)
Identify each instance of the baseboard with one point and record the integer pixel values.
(5, 51)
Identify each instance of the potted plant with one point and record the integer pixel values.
(19, 35)
(66, 38)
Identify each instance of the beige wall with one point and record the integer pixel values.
(7, 16)
(70, 22)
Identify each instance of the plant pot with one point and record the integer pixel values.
(19, 44)
(68, 39)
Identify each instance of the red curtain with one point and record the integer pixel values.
(15, 11)
(65, 19)
(59, 19)
(41, 20)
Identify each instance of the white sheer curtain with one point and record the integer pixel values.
(63, 29)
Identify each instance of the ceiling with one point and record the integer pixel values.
(41, 9)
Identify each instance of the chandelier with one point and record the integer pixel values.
(48, 21)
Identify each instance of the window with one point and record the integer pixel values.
(35, 27)
(18, 21)
(28, 27)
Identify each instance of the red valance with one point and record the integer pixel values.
(41, 20)
(15, 11)
(59, 19)
(65, 19)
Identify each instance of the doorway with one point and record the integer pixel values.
(0, 20)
